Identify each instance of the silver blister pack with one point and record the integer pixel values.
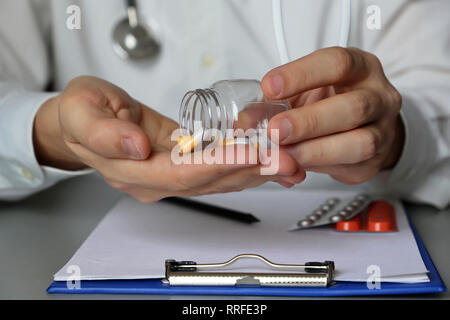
(334, 210)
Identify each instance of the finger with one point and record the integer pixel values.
(102, 96)
(246, 179)
(286, 185)
(249, 178)
(142, 194)
(335, 114)
(351, 173)
(109, 132)
(161, 172)
(343, 148)
(311, 96)
(158, 127)
(145, 195)
(217, 163)
(321, 68)
(286, 172)
(237, 181)
(294, 179)
(277, 162)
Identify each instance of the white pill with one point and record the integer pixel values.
(333, 201)
(319, 212)
(336, 218)
(345, 213)
(356, 203)
(305, 223)
(362, 197)
(314, 217)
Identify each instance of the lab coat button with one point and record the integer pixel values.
(27, 174)
(207, 60)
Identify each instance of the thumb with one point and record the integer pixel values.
(108, 134)
(115, 138)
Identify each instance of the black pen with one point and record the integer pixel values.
(212, 209)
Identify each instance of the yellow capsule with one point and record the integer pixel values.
(187, 143)
(226, 142)
(255, 144)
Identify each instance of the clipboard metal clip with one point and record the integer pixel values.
(190, 273)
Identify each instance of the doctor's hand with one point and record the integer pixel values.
(96, 124)
(345, 119)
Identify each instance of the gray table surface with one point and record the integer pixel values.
(39, 235)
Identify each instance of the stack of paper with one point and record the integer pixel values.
(134, 239)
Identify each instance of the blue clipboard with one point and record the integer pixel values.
(339, 288)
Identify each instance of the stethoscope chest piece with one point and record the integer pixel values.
(133, 39)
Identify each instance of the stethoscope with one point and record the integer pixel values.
(136, 40)
(133, 39)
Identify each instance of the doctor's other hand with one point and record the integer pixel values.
(96, 124)
(345, 119)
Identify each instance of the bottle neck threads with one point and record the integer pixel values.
(207, 108)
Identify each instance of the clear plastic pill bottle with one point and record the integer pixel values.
(228, 105)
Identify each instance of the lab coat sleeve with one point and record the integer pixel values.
(415, 51)
(24, 72)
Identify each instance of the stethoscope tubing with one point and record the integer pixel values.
(278, 27)
(277, 20)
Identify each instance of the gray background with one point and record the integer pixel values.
(40, 234)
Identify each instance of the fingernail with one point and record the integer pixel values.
(296, 178)
(285, 129)
(276, 85)
(131, 149)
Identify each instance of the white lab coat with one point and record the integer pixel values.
(208, 40)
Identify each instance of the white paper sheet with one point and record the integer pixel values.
(134, 239)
